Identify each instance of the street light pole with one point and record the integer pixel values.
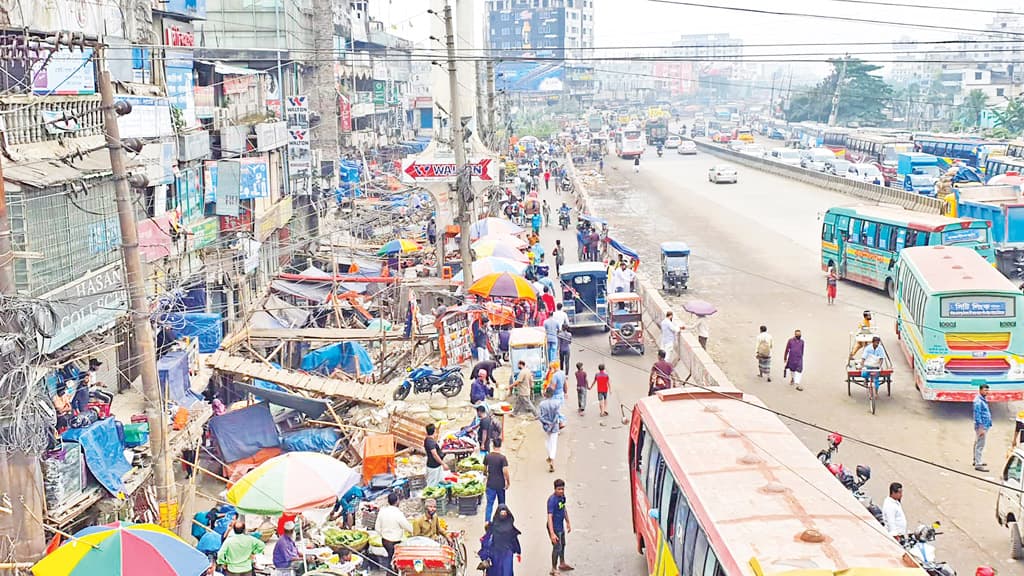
(462, 184)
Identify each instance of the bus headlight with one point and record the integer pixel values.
(1016, 368)
(935, 366)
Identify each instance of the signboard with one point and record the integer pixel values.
(973, 307)
(226, 181)
(142, 70)
(155, 237)
(68, 73)
(285, 211)
(89, 18)
(204, 101)
(297, 111)
(180, 84)
(345, 114)
(88, 304)
(273, 87)
(240, 223)
(530, 76)
(299, 153)
(441, 171)
(380, 92)
(271, 136)
(253, 178)
(104, 236)
(204, 233)
(179, 34)
(267, 223)
(149, 118)
(192, 9)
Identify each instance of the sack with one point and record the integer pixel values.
(764, 349)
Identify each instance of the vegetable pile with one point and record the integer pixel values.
(435, 492)
(469, 484)
(336, 538)
(471, 463)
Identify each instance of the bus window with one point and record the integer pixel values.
(827, 233)
(711, 565)
(912, 239)
(843, 224)
(679, 528)
(659, 480)
(638, 447)
(700, 554)
(654, 464)
(645, 457)
(670, 494)
(856, 228)
(901, 239)
(691, 540)
(884, 233)
(870, 232)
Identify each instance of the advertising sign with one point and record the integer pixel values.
(380, 93)
(299, 153)
(227, 179)
(68, 73)
(204, 101)
(296, 110)
(531, 76)
(204, 233)
(345, 114)
(155, 237)
(240, 223)
(442, 171)
(150, 117)
(180, 84)
(194, 9)
(85, 305)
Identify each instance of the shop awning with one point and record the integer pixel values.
(229, 70)
(43, 169)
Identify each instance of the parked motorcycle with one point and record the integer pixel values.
(447, 381)
(834, 440)
(919, 545)
(852, 482)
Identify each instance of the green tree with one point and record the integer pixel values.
(863, 95)
(973, 107)
(1012, 117)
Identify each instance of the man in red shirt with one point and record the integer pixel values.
(549, 300)
(603, 386)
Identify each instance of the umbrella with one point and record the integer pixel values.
(292, 482)
(593, 219)
(501, 251)
(507, 239)
(700, 308)
(123, 548)
(503, 285)
(493, 264)
(493, 225)
(400, 246)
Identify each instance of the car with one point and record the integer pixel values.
(754, 150)
(721, 137)
(673, 142)
(865, 173)
(687, 147)
(737, 145)
(722, 173)
(815, 158)
(837, 167)
(789, 156)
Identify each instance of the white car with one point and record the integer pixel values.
(722, 173)
(790, 156)
(687, 147)
(737, 145)
(837, 167)
(673, 142)
(815, 159)
(754, 150)
(865, 173)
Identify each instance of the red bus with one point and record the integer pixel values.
(721, 487)
(880, 149)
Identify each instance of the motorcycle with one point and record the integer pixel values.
(918, 545)
(447, 381)
(660, 152)
(825, 456)
(563, 220)
(852, 482)
(566, 185)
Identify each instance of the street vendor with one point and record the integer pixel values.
(286, 553)
(347, 505)
(429, 524)
(479, 391)
(523, 389)
(487, 367)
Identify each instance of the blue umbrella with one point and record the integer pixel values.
(593, 219)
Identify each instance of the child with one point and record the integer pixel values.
(581, 387)
(603, 386)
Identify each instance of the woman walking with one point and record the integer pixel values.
(500, 543)
(830, 285)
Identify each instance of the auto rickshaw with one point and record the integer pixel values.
(583, 295)
(626, 320)
(675, 266)
(529, 344)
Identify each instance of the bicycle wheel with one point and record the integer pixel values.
(461, 558)
(872, 395)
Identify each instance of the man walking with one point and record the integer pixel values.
(558, 526)
(551, 327)
(435, 460)
(763, 353)
(636, 165)
(496, 467)
(523, 386)
(982, 424)
(564, 345)
(559, 254)
(547, 179)
(549, 421)
(794, 359)
(392, 525)
(669, 332)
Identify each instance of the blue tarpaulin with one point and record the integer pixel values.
(351, 357)
(104, 452)
(625, 250)
(174, 379)
(320, 440)
(207, 327)
(242, 433)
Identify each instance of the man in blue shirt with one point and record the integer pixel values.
(558, 527)
(551, 327)
(286, 553)
(982, 424)
(871, 365)
(479, 390)
(480, 340)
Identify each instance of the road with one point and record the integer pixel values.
(755, 255)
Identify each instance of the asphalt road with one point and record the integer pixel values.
(755, 255)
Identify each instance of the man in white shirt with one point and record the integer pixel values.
(560, 316)
(703, 331)
(392, 526)
(669, 332)
(892, 511)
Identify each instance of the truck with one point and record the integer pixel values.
(657, 131)
(595, 122)
(1003, 207)
(918, 172)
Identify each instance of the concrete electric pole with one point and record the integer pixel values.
(834, 115)
(142, 332)
(492, 130)
(462, 183)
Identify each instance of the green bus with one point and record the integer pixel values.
(863, 242)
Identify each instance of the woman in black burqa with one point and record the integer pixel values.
(500, 543)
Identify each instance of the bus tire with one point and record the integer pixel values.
(890, 288)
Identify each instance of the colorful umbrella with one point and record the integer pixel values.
(292, 482)
(121, 548)
(507, 239)
(501, 251)
(493, 226)
(503, 285)
(490, 265)
(400, 246)
(700, 308)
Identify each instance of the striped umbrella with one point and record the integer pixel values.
(400, 246)
(490, 265)
(493, 225)
(503, 285)
(501, 251)
(123, 549)
(292, 482)
(507, 239)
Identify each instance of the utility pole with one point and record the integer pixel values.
(6, 247)
(833, 116)
(142, 332)
(462, 184)
(771, 99)
(492, 128)
(481, 128)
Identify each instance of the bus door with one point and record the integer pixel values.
(842, 235)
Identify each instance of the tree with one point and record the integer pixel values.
(1012, 117)
(862, 95)
(973, 107)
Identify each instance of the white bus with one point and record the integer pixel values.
(629, 142)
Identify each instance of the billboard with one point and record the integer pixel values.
(531, 76)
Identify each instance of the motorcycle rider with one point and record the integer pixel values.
(892, 511)
(563, 214)
(659, 150)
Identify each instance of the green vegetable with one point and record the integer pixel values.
(434, 492)
(471, 463)
(337, 538)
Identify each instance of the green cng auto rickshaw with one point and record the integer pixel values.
(675, 266)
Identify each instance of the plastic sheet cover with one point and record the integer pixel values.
(242, 433)
(320, 440)
(352, 357)
(174, 379)
(104, 453)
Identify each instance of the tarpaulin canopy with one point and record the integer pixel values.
(104, 452)
(242, 433)
(174, 379)
(277, 313)
(352, 357)
(622, 248)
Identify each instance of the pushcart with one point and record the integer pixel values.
(857, 374)
(448, 558)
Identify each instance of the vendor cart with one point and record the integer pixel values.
(431, 558)
(857, 374)
(529, 344)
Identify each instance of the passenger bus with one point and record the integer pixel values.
(880, 149)
(834, 138)
(971, 151)
(957, 321)
(1015, 149)
(864, 242)
(629, 142)
(721, 487)
(1003, 165)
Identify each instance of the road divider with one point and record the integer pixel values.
(862, 190)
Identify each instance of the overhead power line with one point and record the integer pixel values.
(926, 7)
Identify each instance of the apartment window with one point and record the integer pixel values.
(977, 75)
(1000, 92)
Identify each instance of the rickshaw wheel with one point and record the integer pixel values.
(888, 386)
(871, 397)
(849, 380)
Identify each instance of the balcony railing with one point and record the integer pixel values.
(30, 119)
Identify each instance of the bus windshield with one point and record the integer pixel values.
(891, 152)
(965, 236)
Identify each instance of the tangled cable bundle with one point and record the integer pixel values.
(27, 417)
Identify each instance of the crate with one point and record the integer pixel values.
(378, 455)
(469, 505)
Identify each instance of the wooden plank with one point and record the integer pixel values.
(298, 381)
(324, 334)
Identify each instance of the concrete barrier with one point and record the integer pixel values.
(694, 365)
(862, 190)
